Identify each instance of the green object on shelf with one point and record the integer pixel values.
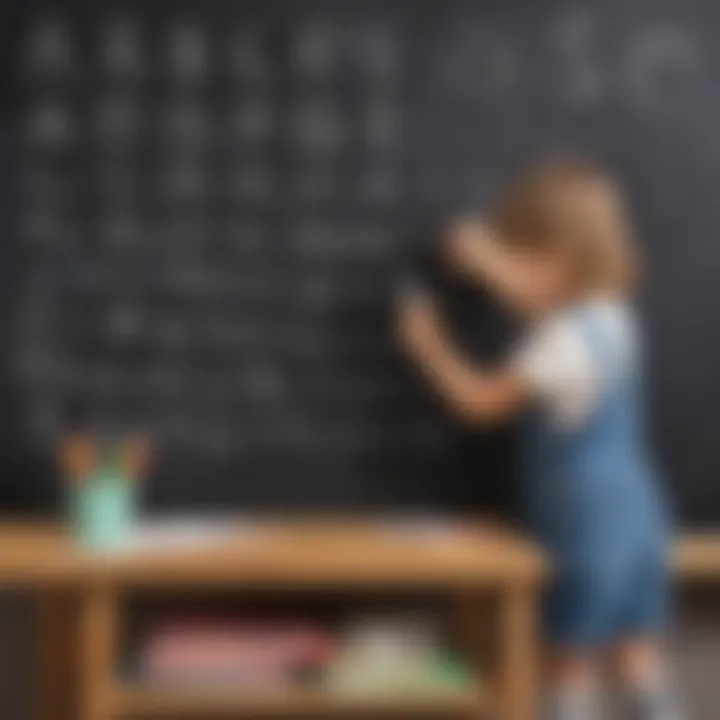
(451, 672)
(437, 674)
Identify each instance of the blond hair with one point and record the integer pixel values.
(546, 208)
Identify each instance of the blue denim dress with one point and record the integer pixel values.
(592, 497)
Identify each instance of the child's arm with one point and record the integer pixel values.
(474, 249)
(473, 393)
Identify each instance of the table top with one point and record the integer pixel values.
(697, 556)
(320, 551)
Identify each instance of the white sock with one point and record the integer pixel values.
(577, 702)
(655, 698)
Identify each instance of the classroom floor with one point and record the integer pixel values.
(696, 646)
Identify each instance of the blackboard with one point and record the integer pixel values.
(207, 205)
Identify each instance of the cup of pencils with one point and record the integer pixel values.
(102, 478)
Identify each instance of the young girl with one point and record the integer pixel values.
(557, 249)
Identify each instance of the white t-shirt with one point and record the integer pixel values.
(565, 372)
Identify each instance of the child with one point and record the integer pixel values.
(557, 250)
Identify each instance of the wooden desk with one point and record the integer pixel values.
(697, 558)
(81, 598)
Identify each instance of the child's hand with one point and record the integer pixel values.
(464, 243)
(420, 326)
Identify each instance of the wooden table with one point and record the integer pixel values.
(697, 558)
(81, 596)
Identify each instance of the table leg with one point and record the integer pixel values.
(57, 654)
(98, 643)
(473, 628)
(519, 663)
(473, 621)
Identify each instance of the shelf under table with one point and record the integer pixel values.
(147, 701)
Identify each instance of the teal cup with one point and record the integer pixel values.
(103, 512)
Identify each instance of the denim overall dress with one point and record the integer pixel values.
(592, 498)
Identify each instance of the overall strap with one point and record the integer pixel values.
(608, 355)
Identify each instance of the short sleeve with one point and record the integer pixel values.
(557, 363)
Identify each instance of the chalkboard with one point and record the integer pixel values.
(207, 206)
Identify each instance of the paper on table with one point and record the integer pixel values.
(422, 527)
(185, 532)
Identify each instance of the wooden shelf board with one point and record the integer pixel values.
(697, 556)
(148, 701)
